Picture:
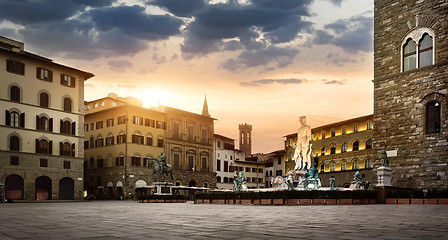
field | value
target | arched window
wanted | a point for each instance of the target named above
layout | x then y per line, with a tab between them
322	167
433	117
425	51
369	144
343	165
418	49
15	119
368	163
43	146
14	94
344	148
355	146
42	123
322	151
65	149
14	143
323	135
332	166
332	149
43	100
67	104
355	128
355	165
409	55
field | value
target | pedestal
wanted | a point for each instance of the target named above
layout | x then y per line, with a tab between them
163	188
384	176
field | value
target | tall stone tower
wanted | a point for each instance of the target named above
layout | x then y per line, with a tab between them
245	138
411	90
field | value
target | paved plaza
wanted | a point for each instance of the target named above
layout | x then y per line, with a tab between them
132	220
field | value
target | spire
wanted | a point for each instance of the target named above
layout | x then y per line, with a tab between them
205	108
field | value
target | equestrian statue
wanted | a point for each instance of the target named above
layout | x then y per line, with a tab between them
160	166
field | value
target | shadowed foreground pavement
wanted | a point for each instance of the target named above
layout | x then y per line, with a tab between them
132	220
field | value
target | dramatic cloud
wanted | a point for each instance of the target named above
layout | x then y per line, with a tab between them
256	25
353	35
280	57
84	30
272	81
338	60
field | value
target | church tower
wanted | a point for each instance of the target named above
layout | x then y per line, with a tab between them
411	90
205	108
245	138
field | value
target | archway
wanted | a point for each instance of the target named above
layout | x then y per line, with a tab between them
120	190
43	188
14	187
66	189
140	188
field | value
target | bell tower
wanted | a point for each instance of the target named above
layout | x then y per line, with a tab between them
245	137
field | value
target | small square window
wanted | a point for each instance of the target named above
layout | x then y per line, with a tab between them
66	164
43	162
14	160
44	74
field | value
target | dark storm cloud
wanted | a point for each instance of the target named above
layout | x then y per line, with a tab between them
253	26
40	11
353	35
272	81
180	8
281	57
86	29
134	21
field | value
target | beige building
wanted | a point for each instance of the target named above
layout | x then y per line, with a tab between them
340	149
121	136
41	123
275	165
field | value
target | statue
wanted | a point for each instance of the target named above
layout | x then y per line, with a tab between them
302	153
239	182
384	158
357	177
312	177
290	183
332	180
366	185
160	166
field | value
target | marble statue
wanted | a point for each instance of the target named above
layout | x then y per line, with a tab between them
332	180
302	153
357	177
239	182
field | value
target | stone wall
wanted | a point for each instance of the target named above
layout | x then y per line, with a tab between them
400	97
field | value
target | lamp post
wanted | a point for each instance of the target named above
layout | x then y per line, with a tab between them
125	154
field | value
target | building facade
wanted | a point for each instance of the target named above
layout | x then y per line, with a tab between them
41	123
340	149
410	90
121	137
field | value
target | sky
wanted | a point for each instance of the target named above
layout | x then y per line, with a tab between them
261	62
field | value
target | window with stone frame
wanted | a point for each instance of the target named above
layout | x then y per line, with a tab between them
204	165
44	99
14	143
322	151
190	162
176	161
355	128
344	148
332	149
368	163
355	165
369	125
67	80
369	143
67	105
355	146
44	146
149	141
14	94
160	142
332	166
343	165
418	49
322	167
432	118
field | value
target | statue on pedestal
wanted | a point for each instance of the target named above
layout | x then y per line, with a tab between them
160	166
302	153
239	182
384	158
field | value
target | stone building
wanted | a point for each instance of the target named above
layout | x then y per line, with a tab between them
121	136
410	90
245	137
41	124
340	149
275	165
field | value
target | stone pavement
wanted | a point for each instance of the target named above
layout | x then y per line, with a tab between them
131	220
